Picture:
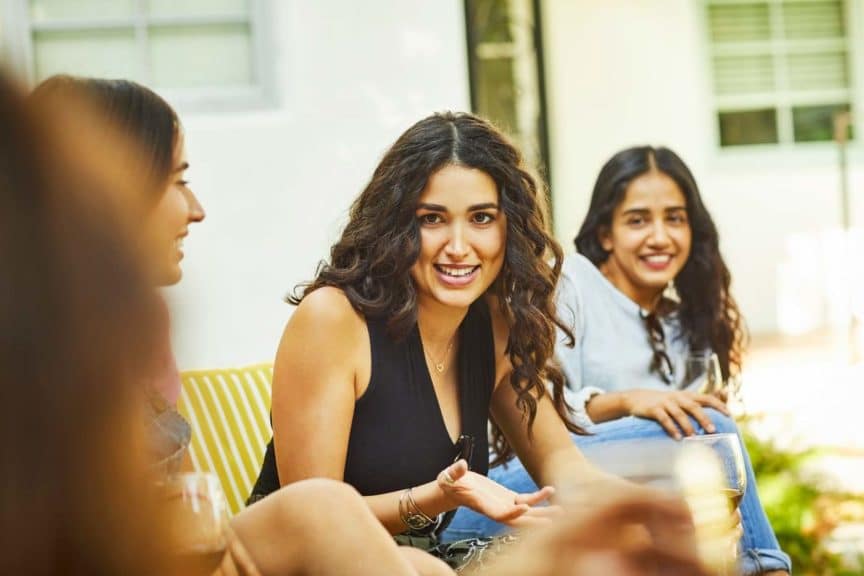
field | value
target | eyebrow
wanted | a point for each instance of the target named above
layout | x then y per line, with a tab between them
646	210
440	208
184	166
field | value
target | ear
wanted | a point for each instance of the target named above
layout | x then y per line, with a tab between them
604	236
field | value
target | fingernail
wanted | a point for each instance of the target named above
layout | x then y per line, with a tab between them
711	429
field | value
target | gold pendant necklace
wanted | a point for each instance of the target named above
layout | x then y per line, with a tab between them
439	366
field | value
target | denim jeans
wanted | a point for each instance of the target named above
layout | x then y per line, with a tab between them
759	549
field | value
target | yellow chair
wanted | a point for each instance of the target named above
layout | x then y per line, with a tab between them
229	411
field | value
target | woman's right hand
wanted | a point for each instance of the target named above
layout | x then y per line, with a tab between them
635	531
671	408
465	488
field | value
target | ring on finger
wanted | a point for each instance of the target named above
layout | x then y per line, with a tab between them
448	478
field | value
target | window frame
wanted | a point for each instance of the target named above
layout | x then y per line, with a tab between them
783	100
18	50
477	51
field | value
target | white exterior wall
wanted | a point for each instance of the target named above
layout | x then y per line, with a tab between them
628	72
277	184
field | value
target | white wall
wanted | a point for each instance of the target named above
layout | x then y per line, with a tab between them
277	184
628	72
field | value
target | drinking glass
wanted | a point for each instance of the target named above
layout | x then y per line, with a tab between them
727	448
704	367
198	514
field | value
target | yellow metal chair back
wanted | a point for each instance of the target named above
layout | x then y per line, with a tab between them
229	411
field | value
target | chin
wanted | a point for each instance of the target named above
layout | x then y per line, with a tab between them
656	283
171	278
463	300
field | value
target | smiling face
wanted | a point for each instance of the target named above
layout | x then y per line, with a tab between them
168	222
463	234
649	239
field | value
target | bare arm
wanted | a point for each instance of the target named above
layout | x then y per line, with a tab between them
314	387
547	452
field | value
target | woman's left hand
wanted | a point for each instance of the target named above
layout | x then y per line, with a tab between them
237	560
466	488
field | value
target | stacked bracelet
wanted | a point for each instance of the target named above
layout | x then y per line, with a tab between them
410	513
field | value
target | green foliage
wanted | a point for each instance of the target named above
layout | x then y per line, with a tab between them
801	510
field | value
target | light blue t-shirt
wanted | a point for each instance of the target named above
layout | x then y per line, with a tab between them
612	351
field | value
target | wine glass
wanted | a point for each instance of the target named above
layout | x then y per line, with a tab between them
704	367
198	514
727	448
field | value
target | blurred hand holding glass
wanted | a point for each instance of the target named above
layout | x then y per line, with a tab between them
694	471
198	516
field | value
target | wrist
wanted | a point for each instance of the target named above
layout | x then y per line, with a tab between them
444	497
413	517
624	403
433	499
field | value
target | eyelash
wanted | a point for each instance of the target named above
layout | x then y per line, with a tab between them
478	218
675	219
429	219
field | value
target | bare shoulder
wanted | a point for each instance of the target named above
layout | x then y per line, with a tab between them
324	325
327	308
501	335
324	343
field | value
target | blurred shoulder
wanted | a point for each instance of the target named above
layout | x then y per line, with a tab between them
577	267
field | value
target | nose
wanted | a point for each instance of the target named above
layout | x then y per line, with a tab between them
457	246
659	234
196	210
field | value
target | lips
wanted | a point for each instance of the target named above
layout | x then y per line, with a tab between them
456	274
656	261
178	245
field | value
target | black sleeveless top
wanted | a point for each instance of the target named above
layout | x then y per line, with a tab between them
398	436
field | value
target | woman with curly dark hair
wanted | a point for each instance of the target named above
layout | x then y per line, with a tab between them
647	288
435	313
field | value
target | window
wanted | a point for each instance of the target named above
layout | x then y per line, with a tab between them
780	68
203	52
506	72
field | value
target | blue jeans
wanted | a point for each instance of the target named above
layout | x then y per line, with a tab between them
760	551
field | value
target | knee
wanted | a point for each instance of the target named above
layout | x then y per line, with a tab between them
722	423
425	563
320	494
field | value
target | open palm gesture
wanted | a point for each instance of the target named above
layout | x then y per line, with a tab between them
491	499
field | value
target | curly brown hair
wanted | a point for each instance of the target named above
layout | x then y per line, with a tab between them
371	262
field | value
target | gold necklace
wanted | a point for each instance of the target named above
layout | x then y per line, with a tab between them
439	366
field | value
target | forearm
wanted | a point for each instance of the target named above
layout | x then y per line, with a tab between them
608	406
429	498
567	467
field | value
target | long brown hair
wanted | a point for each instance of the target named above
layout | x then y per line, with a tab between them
371	262
133	110
76	320
708	313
